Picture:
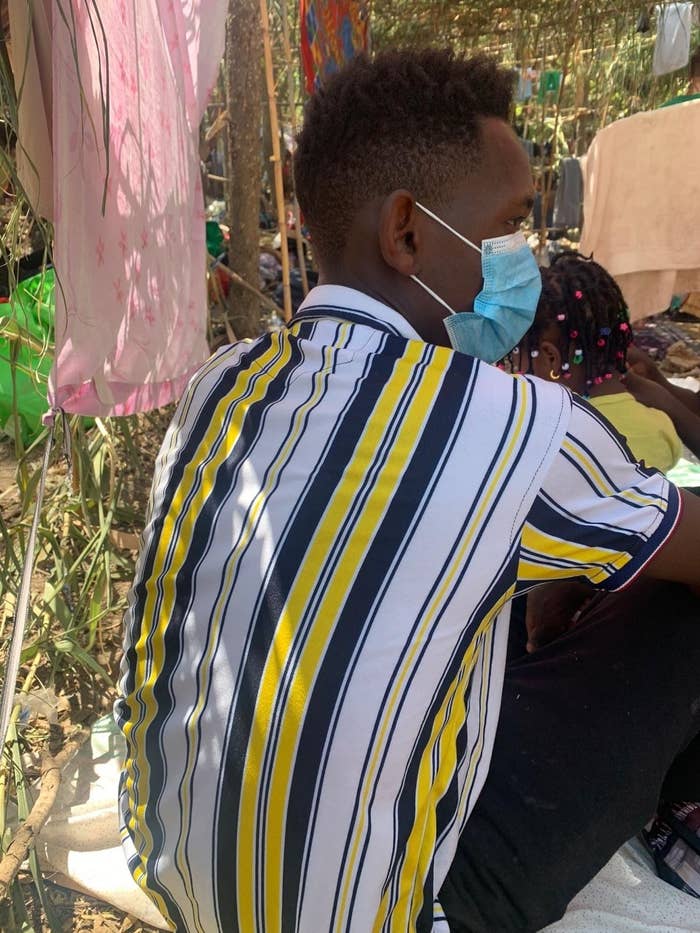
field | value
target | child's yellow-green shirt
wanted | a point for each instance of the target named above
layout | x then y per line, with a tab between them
650	433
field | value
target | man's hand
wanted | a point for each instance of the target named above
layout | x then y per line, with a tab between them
552	610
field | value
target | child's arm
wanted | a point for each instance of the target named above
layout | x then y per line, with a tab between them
654	395
641	364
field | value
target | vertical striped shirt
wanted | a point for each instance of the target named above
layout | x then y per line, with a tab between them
315	641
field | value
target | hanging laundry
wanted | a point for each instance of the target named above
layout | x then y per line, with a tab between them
332	33
672	47
130	294
529	148
523	89
569	197
549	83
641	191
30	57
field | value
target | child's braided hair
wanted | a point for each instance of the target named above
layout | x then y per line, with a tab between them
587	307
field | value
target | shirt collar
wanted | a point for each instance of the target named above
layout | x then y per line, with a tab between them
342	298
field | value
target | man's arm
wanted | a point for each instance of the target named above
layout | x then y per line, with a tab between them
679	557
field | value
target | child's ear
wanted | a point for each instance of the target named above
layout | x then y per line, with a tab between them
549	360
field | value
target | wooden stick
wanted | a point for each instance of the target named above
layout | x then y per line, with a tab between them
40	812
239	280
293	120
276	159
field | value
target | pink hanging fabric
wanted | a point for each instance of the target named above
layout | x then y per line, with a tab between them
130	294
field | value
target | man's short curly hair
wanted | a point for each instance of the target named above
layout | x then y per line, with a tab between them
405	119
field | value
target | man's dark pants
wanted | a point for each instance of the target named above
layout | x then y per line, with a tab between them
594	729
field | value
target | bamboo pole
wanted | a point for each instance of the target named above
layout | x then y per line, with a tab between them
293	120
276	158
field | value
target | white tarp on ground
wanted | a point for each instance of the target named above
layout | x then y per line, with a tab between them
628	897
79	847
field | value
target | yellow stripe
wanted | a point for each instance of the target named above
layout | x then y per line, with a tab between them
589	466
586	561
420	845
324	620
419	639
254	512
166	567
485	685
429	789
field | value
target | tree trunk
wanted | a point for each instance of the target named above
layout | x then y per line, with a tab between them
243	94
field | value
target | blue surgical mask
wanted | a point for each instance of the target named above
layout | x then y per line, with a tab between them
505	307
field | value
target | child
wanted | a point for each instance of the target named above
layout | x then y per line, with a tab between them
581	334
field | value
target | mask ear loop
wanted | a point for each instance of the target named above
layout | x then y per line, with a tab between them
447	226
432	294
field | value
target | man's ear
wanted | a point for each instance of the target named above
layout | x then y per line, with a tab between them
548	361
399	232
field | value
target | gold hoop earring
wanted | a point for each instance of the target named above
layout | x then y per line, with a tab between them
554	376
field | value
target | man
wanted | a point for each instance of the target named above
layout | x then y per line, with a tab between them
341	512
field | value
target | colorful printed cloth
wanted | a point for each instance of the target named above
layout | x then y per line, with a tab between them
332	33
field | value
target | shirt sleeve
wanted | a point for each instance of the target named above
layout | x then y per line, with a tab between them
599	515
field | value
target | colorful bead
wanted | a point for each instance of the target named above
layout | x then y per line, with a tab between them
573	334
578	356
624	326
534	353
561	317
516	350
567	375
578	294
620	355
601	341
565	366
608	375
605	331
598	380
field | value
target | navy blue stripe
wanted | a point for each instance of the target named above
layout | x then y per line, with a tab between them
334	556
604	527
372	580
202	527
453	668
559	525
319	312
281	576
223	387
623	576
220	390
577	568
404	808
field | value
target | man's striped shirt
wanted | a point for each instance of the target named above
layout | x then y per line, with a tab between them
315	643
